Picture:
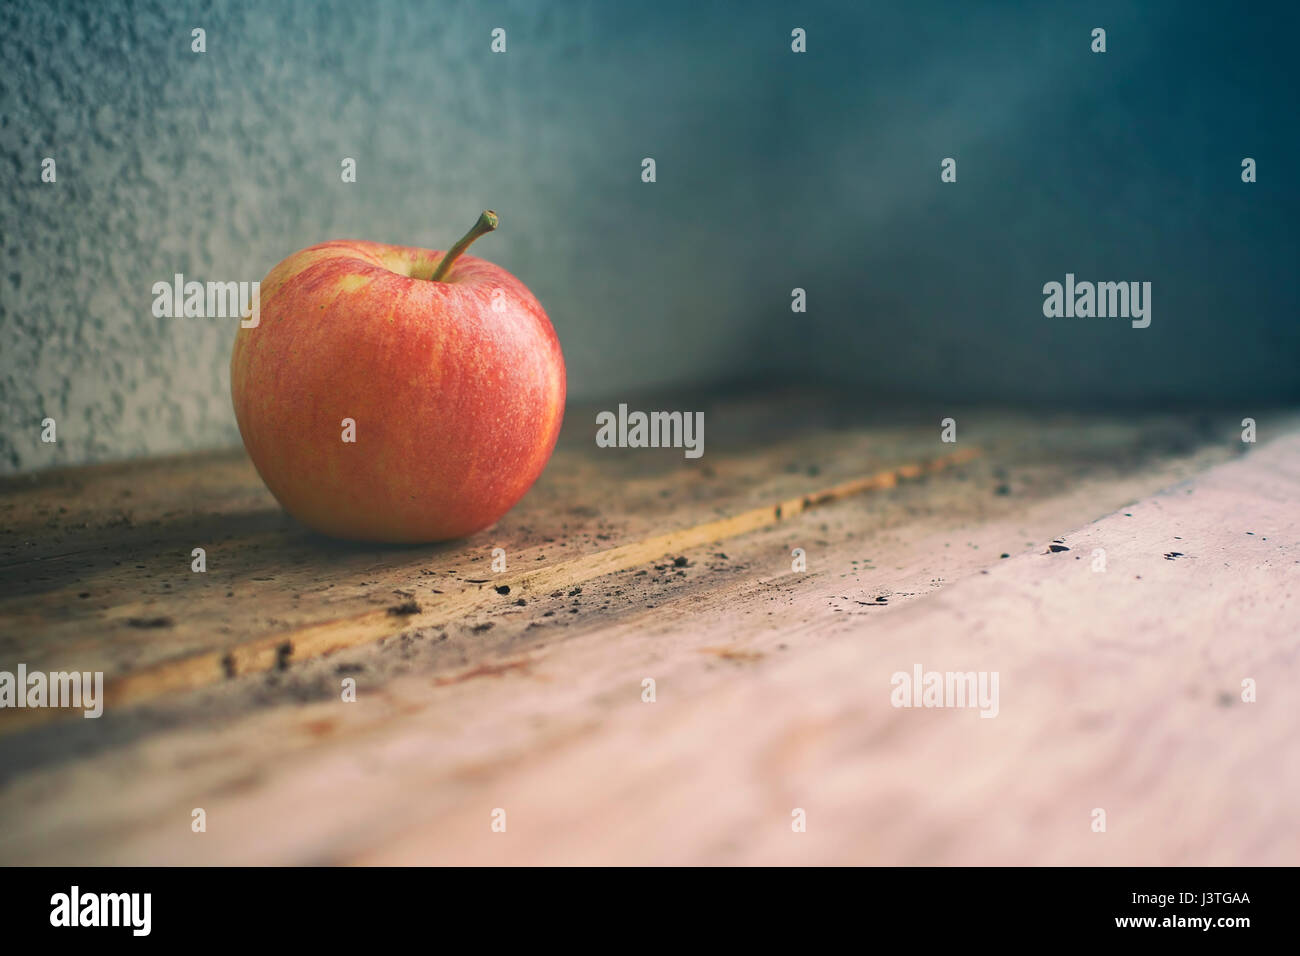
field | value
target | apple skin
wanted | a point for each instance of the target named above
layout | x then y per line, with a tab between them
457	389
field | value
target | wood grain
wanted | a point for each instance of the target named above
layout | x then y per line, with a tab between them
275	651
772	686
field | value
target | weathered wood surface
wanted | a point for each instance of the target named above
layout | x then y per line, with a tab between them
252	653
772	686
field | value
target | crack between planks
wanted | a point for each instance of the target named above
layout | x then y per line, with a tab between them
275	651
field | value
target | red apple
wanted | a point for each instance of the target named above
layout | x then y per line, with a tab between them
446	363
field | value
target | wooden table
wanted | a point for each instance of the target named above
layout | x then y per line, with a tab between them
524	691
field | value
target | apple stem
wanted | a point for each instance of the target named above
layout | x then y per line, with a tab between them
486	223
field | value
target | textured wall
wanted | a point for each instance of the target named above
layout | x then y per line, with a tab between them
1117	166
775	170
218	165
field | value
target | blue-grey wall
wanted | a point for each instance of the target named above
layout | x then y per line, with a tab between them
775	170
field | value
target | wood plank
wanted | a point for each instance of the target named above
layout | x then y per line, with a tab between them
77	566
277	650
450	720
